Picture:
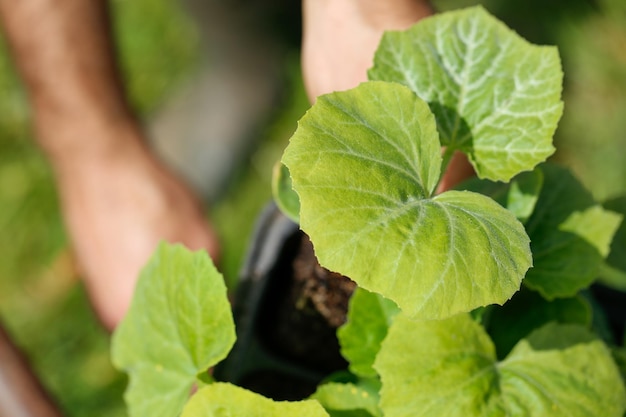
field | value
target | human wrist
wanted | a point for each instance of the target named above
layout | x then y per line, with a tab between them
88	140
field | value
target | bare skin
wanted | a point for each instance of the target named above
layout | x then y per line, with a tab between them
118	199
340	37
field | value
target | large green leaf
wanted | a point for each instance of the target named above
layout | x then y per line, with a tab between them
179	325
365	163
226	400
369	318
495	96
570	236
449	368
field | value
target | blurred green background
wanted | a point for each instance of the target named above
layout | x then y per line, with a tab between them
43	304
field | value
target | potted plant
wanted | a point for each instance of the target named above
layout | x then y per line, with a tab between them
471	302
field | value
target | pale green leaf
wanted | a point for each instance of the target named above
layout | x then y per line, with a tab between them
570	236
285	197
226	400
369	317
594	225
449	368
495	96
437	368
562	370
365	163
179	325
336	397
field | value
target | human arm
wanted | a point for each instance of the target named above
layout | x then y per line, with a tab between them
118	199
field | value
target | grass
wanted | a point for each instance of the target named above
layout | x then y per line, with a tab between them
42	302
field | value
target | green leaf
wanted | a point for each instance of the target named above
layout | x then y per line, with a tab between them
179	325
436	368
449	368
518	196
619	355
336	397
614	273
612	277
369	318
285	197
554	336
496	97
364	163
226	400
528	311
570	235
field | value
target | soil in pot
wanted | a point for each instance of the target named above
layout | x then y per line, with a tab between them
287	320
305	310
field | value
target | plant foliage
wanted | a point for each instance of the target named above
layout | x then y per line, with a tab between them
471	302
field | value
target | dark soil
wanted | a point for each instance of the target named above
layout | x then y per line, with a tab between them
306	317
289	343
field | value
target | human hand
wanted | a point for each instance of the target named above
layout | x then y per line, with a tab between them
339	41
117	209
341	36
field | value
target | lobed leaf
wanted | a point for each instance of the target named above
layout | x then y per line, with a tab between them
365	163
559	370
222	399
496	97
179	325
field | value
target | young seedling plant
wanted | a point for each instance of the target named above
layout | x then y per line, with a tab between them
471	302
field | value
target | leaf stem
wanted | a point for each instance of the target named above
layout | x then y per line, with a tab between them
447	157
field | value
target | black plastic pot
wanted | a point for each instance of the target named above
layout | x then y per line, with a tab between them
282	351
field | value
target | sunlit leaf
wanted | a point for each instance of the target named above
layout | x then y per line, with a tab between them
178	326
369	318
360	400
365	163
496	97
449	368
226	400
